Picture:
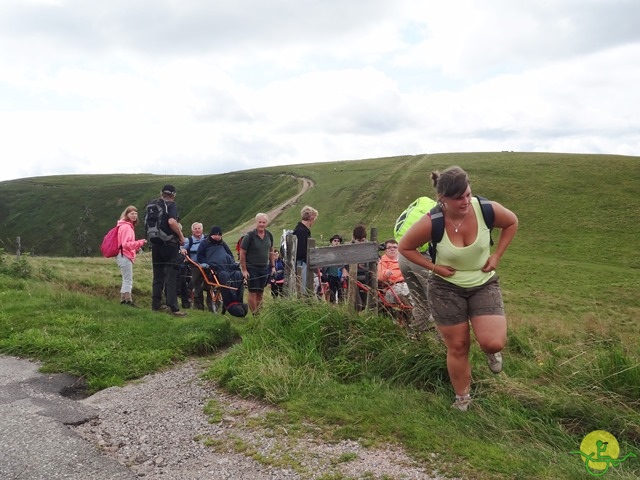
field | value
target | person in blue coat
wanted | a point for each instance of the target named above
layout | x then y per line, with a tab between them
277	278
215	253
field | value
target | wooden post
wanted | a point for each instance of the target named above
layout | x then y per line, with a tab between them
372	298
352	288
308	288
18	247
290	272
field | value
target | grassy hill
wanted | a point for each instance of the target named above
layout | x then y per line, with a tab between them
69	215
578	214
570	205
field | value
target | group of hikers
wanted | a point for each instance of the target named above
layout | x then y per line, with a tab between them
440	260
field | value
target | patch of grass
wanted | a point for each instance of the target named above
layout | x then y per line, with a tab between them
340	375
102	341
346	457
214	411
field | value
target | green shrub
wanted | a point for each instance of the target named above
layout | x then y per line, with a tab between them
20	267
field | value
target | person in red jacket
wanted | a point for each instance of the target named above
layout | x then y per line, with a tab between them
389	273
127	254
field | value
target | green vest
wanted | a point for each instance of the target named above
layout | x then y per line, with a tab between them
411	215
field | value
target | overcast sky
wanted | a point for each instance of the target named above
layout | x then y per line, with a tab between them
212	86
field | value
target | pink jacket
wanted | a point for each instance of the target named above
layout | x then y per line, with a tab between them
127	239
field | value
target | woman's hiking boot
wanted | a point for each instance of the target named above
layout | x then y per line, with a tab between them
462	403
127	300
494	360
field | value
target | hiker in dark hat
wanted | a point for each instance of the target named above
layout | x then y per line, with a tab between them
207	246
166	238
214	253
335	274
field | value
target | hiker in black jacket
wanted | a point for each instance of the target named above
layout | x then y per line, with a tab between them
165	254
303	232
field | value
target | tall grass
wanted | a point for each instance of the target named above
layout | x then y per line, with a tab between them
363	378
315	344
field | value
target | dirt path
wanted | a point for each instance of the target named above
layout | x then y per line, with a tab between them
307	184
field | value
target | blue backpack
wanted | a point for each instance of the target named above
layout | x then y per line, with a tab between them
437	223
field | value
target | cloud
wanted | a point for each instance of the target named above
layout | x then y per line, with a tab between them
208	87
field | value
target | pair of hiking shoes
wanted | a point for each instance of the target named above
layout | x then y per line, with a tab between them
166	309
494	360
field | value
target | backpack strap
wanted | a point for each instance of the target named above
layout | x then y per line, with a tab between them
488	215
437	224
120	246
118	237
252	234
437	230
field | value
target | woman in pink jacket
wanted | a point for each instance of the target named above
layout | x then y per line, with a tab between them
127	255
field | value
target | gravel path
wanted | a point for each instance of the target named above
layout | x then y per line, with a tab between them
159	429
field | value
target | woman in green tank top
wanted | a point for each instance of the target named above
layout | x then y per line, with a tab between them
463	290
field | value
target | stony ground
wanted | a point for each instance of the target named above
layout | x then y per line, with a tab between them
159	429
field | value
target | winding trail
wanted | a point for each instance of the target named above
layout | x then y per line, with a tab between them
307	184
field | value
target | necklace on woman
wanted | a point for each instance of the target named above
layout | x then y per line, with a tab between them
456	227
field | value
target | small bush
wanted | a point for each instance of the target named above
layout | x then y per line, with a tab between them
21	268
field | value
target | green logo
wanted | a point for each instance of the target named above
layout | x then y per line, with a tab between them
600	450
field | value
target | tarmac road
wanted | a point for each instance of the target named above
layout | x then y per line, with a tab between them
35	442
